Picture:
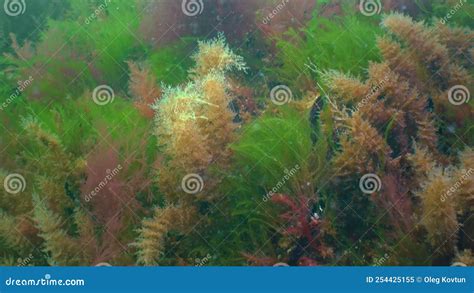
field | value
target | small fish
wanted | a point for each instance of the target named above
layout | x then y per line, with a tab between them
314	116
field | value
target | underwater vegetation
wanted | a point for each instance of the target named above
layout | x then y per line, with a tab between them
225	132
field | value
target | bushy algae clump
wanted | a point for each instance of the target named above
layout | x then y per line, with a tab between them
393	130
194	126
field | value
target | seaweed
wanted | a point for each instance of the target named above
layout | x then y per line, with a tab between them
133	133
323	44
